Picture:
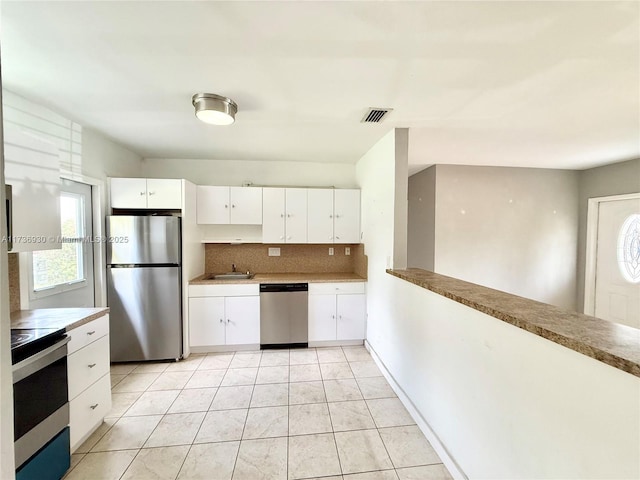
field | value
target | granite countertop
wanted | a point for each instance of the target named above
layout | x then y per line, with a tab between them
612	343
285	278
67	318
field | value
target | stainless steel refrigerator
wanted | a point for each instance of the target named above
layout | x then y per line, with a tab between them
144	287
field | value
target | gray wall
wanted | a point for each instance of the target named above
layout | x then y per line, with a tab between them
422	219
614	179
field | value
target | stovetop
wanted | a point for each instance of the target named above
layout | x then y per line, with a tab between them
26	342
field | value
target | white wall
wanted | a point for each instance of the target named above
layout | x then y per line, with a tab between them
506	403
422	219
237	172
513	229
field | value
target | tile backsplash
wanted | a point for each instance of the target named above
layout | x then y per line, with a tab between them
14	282
293	258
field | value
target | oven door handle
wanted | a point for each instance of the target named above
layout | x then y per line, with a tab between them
40	360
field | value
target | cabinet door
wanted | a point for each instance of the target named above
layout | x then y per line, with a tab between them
296	224
128	193
273	215
346	224
246	205
212	205
164	193
243	320
351	317
319	215
322	317
206	321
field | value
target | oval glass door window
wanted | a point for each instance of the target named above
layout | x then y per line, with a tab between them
629	249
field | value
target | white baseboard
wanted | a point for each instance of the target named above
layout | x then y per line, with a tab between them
423	425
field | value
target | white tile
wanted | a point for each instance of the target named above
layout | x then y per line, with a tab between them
266	422
222	426
313	456
304	373
90	442
342	390
75	459
408	447
302	356
362	451
216	361
389	412
123	368
356	354
352	415
271	395
102	465
176	429
121	402
375	387
205	379
430	472
186	364
228	398
128	433
335	371
379	475
330	355
274	358
309	418
136	382
153	403
116	379
151	367
277	374
239	376
157	463
193	400
306	392
365	369
264	459
244	360
210	461
171	381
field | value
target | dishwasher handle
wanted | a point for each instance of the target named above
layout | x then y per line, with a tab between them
283	287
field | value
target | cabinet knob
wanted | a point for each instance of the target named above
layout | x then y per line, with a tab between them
289	237
281	237
143	193
91	365
337	238
226	206
91	332
330	216
288	215
337	216
282	215
333	316
233	206
93	407
330	237
228	321
221	321
152	193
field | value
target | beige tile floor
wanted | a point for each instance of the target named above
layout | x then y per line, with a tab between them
301	414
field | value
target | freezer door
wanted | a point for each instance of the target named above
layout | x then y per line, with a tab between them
143	240
146	313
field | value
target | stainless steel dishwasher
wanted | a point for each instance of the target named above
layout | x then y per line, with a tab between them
283	315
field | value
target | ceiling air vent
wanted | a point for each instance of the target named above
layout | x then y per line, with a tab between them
375	115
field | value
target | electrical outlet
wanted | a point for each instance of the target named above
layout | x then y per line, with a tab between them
347	250
274	252
330	250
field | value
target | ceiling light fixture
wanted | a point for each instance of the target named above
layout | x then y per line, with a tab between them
214	109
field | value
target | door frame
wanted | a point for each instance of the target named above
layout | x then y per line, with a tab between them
593	207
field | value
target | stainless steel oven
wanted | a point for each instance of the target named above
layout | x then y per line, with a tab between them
40	404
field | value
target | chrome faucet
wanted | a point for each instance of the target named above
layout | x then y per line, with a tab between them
233	267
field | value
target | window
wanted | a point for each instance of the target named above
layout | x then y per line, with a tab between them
629	249
61	269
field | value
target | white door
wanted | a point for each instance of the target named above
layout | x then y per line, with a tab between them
320	215
243	320
296	206
617	263
128	193
164	193
346	226
246	205
273	215
206	321
351	317
212	205
322	318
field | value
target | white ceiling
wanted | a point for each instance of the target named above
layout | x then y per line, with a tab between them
535	84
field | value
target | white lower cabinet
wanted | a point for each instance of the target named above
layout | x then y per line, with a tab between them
337	311
89	380
224	315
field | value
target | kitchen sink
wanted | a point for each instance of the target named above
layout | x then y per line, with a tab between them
230	276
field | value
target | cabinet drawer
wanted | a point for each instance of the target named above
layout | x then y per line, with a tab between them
87	365
232	290
88	409
88	333
336	288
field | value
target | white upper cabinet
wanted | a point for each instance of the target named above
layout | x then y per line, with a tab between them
229	205
141	193
284	215
334	216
